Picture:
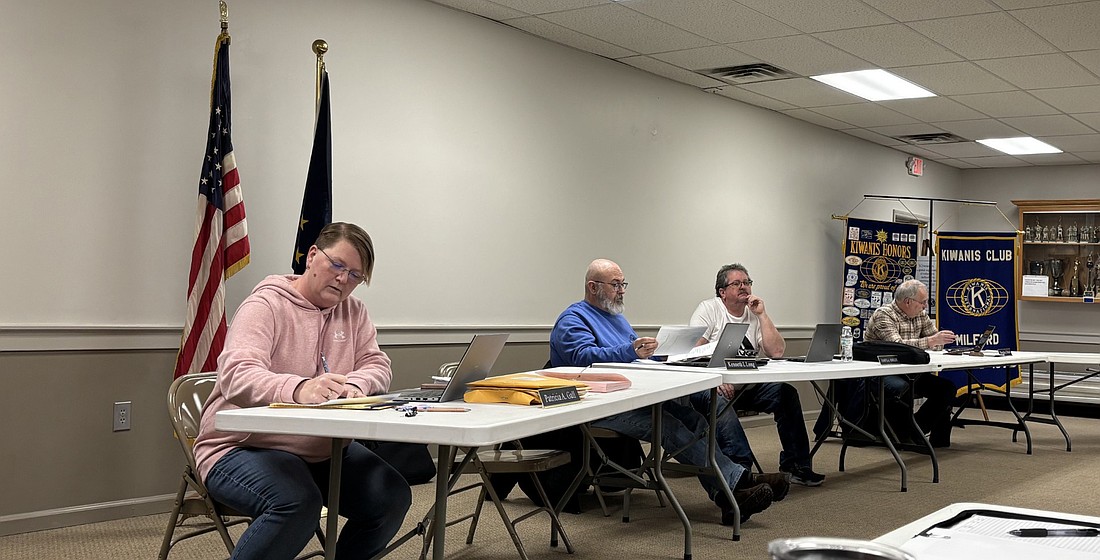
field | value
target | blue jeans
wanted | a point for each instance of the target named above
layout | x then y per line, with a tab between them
283	495
779	399
679	424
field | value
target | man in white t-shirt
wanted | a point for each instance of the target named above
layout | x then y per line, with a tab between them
735	303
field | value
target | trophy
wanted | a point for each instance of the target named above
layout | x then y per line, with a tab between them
1035	268
1095	235
1061	233
1046	233
1057	269
1072	236
1075	280
1090	279
1027	234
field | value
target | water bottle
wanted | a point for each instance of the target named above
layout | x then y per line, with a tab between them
846	341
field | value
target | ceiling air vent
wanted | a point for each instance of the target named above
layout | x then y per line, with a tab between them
749	73
932	138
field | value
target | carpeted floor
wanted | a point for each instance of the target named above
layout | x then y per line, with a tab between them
982	465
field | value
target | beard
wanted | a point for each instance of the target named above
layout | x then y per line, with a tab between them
613	305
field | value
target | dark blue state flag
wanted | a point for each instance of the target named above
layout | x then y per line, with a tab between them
317	201
977	289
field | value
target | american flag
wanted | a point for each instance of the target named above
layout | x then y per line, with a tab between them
221	233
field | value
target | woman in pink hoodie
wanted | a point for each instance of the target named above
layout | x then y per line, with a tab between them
302	339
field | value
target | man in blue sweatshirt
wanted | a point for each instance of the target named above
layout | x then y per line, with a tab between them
594	330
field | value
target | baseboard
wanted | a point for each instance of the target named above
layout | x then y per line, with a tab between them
80	515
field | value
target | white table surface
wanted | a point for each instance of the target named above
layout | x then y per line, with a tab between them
901	535
1074	358
783	371
485	424
943	361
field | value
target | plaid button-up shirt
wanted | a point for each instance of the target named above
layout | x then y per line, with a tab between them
889	323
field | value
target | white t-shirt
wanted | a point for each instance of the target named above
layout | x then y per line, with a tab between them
712	313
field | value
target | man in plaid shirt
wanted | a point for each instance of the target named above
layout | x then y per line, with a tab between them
905	321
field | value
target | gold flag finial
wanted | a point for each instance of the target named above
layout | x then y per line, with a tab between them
224	9
320	47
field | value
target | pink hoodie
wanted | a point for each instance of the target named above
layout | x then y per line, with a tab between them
274	344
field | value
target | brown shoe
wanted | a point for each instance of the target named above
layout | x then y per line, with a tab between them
749	501
779	482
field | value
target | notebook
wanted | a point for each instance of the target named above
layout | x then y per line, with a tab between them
823	346
673	340
479	358
979	344
728	344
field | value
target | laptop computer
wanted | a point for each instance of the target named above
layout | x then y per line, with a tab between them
729	342
679	339
479	358
823	346
979	344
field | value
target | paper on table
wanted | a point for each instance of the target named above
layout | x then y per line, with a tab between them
357	403
980	536
677	339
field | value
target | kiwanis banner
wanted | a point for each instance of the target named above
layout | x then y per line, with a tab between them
976	289
877	257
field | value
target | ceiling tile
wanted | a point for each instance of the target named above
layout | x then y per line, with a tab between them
802	54
706	58
1053	159
1078	142
1048	125
1088	59
491	10
907	47
933	108
953	78
547	6
995	161
1084	99
1040	71
671	72
980	129
1093	157
964	150
565	36
984	36
734	92
1091	119
802	92
921	152
627	28
721	21
1006	104
817	118
825	15
1071	27
865	115
931	9
957	163
874	137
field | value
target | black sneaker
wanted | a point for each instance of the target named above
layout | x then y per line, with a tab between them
780	483
749	501
806	477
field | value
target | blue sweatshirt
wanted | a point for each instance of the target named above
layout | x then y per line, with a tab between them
585	334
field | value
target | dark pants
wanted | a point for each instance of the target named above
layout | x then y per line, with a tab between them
283	495
779	399
934	416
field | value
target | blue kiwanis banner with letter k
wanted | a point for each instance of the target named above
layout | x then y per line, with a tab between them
976	289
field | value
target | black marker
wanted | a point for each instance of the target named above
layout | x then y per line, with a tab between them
1055	532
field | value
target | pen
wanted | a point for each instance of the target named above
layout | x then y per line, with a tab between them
324	362
1055	532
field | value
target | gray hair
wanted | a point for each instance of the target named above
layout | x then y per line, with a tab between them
908	290
720	281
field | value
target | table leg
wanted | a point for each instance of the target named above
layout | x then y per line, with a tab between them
886	439
658	454
442	488
335	470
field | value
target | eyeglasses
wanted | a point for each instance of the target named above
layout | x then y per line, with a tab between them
354	277
617	286
739	283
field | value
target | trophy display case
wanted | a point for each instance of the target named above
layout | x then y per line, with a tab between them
1060	258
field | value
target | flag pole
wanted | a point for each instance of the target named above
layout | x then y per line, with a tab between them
320	47
224	9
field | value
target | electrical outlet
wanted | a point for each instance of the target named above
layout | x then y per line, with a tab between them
122	416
